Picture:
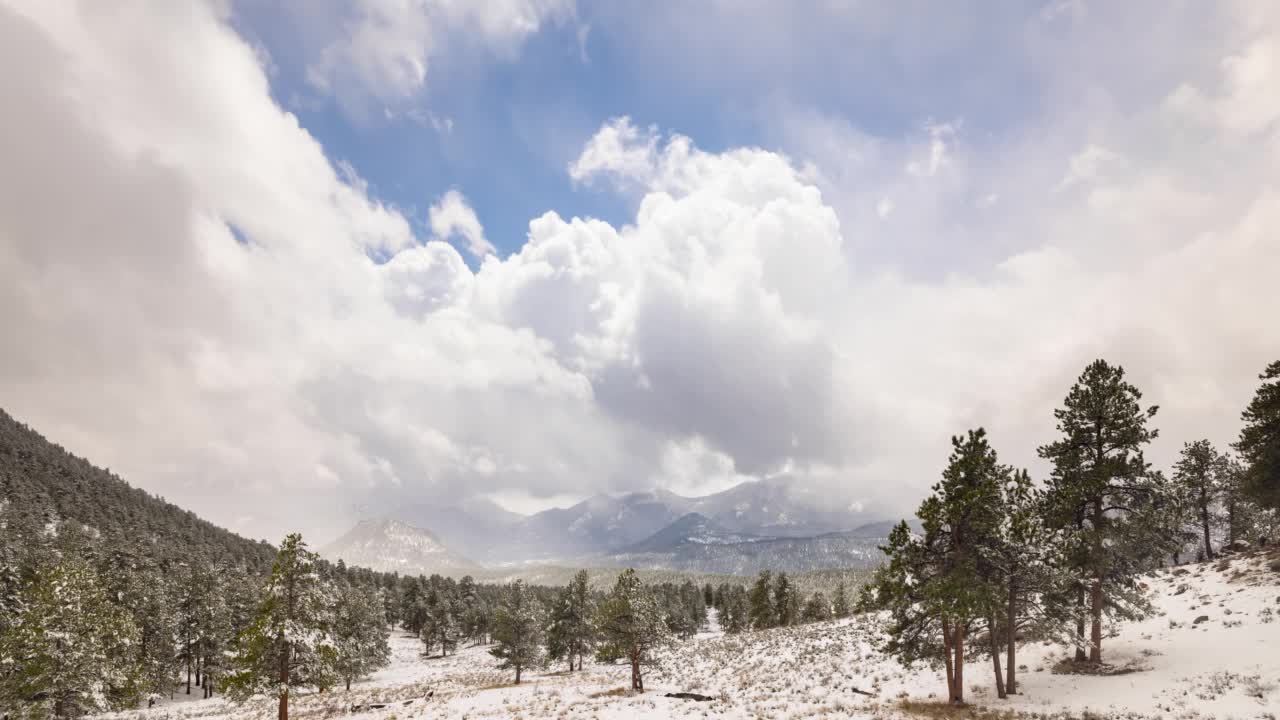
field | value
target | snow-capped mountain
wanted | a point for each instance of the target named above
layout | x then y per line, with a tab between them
394	546
697	543
689	529
659	528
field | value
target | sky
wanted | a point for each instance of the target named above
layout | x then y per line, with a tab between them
291	264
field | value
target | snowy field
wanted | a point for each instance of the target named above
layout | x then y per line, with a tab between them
1225	666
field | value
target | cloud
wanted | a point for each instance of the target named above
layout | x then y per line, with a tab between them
378	54
192	287
453	216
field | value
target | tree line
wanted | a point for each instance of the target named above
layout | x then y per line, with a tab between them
1002	559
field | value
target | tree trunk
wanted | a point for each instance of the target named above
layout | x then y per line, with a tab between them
995	658
1011	635
517	674
947	657
958	697
188	668
637	682
283	712
1204	522
348	683
1095	633
198	668
1080	653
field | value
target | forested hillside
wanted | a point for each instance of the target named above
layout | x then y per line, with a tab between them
50	484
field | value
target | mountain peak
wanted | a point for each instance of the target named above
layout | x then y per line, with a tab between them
392	545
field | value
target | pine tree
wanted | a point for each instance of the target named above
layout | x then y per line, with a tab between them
1103	491
840	607
938	588
1239	514
1259	443
290	642
570	635
760	602
517	630
783	601
1199	476
631	625
359	633
816	609
72	650
734	617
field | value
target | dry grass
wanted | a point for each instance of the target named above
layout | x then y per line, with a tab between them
616	692
1070	666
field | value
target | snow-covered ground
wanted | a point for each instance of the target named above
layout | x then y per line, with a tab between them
1227	666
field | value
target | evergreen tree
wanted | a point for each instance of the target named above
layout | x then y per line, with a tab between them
840	607
69	651
783	601
816	609
570	635
1199	477
938	588
734	617
359	633
631	625
1259	443
1240	516
290	642
517	630
760	602
1104	493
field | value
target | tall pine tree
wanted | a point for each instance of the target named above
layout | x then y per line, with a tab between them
1259	443
290	643
1103	492
517	630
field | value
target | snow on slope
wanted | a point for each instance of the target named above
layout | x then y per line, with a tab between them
1227	666
393	546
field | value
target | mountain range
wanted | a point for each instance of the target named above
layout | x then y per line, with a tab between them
764	524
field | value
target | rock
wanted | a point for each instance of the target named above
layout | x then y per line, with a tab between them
1274	565
1181	571
1202	618
1227	611
1238	546
1181	589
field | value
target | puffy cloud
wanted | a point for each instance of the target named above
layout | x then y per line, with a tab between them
196	303
452	215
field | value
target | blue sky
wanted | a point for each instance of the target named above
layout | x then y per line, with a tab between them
516	120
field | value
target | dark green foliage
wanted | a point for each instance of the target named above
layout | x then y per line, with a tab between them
1198	481
1115	511
631	625
290	642
784	602
517	630
570	635
760	602
50	483
1259	443
816	609
359	633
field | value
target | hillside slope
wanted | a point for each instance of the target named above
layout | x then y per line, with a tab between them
44	482
1225	666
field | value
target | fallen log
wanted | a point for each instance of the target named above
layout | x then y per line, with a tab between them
863	692
690	696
